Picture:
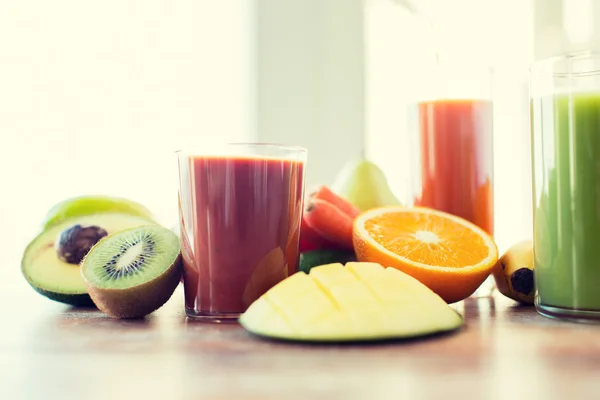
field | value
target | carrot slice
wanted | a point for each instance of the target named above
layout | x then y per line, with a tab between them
324	193
330	222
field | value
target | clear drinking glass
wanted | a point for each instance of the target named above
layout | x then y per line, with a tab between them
451	139
240	209
565	128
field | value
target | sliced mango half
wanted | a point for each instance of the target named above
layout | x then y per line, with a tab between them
357	302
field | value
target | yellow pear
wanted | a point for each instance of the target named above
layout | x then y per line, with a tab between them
364	184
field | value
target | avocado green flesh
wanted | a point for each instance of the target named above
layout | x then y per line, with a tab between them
165	249
56	279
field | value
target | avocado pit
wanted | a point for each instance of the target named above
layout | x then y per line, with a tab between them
75	242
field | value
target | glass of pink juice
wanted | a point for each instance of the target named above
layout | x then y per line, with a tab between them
240	208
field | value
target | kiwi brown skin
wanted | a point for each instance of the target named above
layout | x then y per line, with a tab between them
138	301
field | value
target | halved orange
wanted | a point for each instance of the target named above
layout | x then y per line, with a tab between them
448	254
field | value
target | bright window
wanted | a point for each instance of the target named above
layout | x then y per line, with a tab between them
396	41
96	96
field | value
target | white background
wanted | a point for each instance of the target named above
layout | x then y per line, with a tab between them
475	33
95	96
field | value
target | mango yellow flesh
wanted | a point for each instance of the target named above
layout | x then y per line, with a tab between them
359	301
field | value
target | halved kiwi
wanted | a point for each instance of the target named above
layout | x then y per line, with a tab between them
132	273
45	268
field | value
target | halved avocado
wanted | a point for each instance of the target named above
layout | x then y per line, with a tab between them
56	279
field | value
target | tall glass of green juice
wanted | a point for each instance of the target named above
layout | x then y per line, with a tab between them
565	127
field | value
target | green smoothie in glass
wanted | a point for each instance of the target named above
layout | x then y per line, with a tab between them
565	127
566	158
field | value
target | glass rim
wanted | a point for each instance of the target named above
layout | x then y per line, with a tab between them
545	66
263	145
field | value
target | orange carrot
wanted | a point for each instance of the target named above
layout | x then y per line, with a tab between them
311	240
307	233
324	193
330	222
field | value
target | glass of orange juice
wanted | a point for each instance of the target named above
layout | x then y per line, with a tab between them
451	139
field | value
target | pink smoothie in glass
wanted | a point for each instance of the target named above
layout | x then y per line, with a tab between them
240	222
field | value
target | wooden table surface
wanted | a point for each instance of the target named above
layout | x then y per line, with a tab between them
51	351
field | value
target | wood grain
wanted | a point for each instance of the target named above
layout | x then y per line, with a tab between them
51	351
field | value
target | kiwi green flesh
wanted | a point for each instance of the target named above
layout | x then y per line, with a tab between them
141	300
131	257
56	279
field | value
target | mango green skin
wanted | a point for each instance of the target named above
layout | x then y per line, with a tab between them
88	205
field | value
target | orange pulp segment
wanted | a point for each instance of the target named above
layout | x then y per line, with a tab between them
446	253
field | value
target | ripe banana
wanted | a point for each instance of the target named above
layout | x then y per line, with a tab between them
514	273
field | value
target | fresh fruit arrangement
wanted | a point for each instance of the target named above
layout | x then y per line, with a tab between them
51	264
326	229
56	262
369	268
326	232
448	254
373	269
355	302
